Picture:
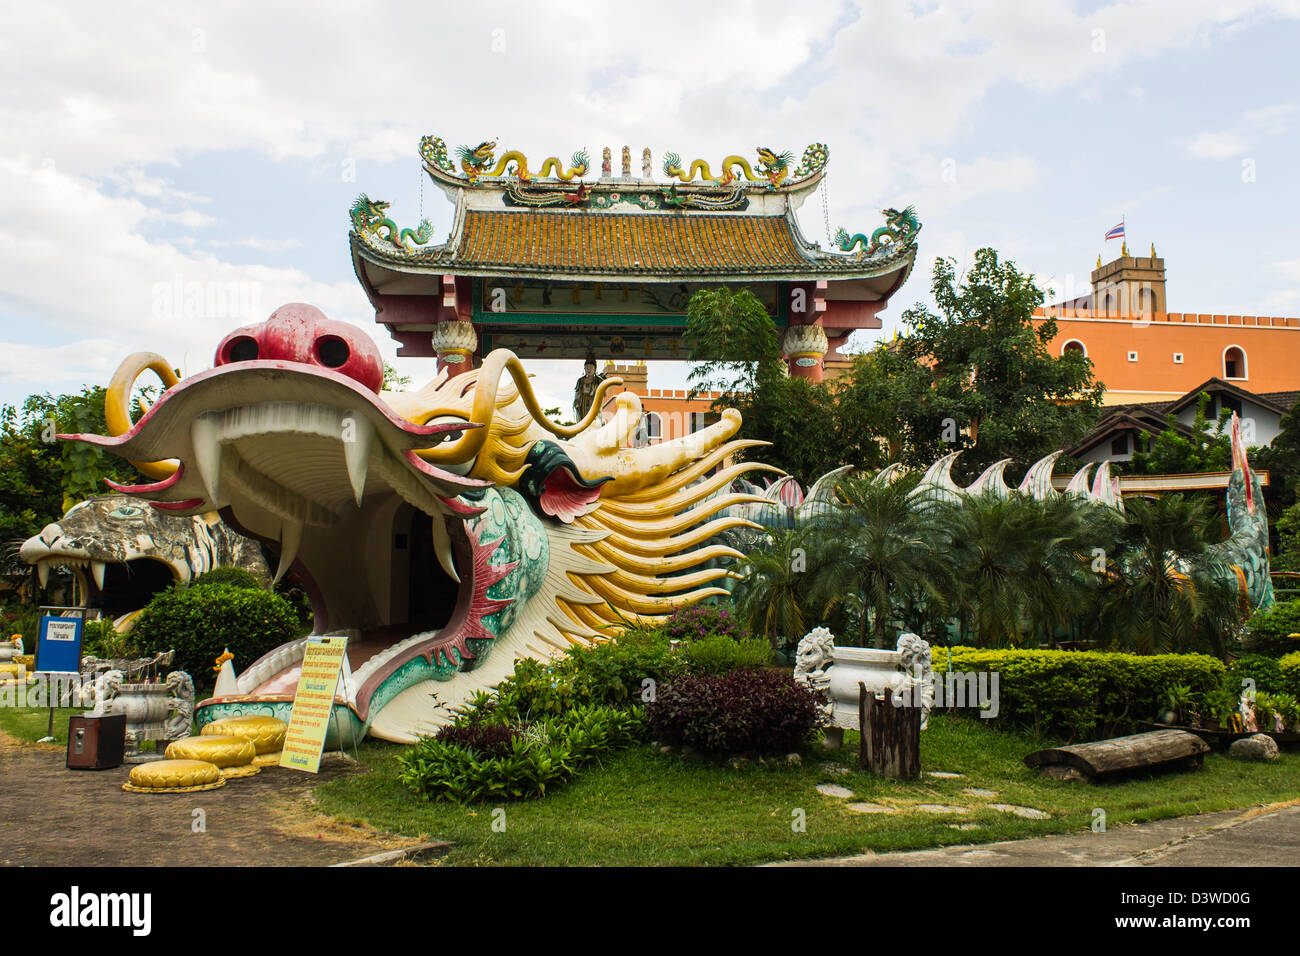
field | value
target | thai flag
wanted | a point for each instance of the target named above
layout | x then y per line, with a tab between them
1117	232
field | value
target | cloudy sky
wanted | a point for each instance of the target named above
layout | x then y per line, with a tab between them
146	147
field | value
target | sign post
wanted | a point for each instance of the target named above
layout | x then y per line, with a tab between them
313	704
58	650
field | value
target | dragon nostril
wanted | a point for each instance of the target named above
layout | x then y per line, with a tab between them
242	350
332	351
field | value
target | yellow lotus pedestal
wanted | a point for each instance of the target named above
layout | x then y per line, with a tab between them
174	776
232	755
266	733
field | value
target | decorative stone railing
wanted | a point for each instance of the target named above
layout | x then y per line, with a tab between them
835	673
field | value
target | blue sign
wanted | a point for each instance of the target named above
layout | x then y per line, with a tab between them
58	645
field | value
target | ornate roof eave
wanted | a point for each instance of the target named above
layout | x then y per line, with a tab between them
819	266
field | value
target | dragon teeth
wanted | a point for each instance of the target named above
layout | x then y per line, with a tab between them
97	571
43	572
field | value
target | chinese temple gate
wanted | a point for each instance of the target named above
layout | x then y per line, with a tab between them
550	265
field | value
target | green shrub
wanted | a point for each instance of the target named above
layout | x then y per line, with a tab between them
100	639
1083	694
1264	671
1288	668
1269	632
237	577
740	712
617	673
720	654
519	763
201	622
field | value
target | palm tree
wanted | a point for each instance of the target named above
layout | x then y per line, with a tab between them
769	598
1166	592
881	549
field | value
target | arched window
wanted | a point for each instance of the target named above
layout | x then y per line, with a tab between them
1146	300
1234	362
1108	304
1074	345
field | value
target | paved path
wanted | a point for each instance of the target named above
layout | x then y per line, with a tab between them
51	816
1264	836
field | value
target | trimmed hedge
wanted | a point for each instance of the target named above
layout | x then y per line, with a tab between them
1289	668
237	577
1082	694
1269	632
201	622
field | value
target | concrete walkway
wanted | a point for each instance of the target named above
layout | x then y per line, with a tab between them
1263	836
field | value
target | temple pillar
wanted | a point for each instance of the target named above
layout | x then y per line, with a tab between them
455	341
805	349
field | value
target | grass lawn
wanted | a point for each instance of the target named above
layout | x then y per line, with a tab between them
641	807
30	723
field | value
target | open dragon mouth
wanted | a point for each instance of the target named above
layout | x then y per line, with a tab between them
399	554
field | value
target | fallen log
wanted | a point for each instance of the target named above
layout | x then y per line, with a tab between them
1100	759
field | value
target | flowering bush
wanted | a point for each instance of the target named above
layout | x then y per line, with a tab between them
747	711
701	621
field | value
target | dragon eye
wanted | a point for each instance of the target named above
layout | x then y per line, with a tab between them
125	511
332	351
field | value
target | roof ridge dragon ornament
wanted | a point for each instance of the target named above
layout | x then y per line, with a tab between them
899	230
480	160
773	167
369	219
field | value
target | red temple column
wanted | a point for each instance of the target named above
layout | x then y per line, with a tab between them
805	349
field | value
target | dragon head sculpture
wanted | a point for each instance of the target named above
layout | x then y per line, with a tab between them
447	531
121	552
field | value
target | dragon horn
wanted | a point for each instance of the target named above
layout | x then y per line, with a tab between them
484	409
117	403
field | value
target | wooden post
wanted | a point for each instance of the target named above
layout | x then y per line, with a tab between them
890	735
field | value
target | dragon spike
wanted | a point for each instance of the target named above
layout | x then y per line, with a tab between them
823	489
1078	486
889	475
1119	498
939	475
773	492
937	483
991	480
1103	492
1038	479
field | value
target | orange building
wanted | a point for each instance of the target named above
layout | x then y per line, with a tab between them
668	413
1143	353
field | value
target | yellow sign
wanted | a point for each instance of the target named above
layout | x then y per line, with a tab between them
313	703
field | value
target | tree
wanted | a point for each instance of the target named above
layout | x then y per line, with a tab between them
735	343
992	371
880	550
1173	452
41	476
772	592
1164	591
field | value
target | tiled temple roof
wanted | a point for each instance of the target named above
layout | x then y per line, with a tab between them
604	243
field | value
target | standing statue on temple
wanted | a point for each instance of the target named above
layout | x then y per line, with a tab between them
584	391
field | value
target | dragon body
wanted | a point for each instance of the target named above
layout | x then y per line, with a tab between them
1241	559
476	161
899	230
369	218
773	168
